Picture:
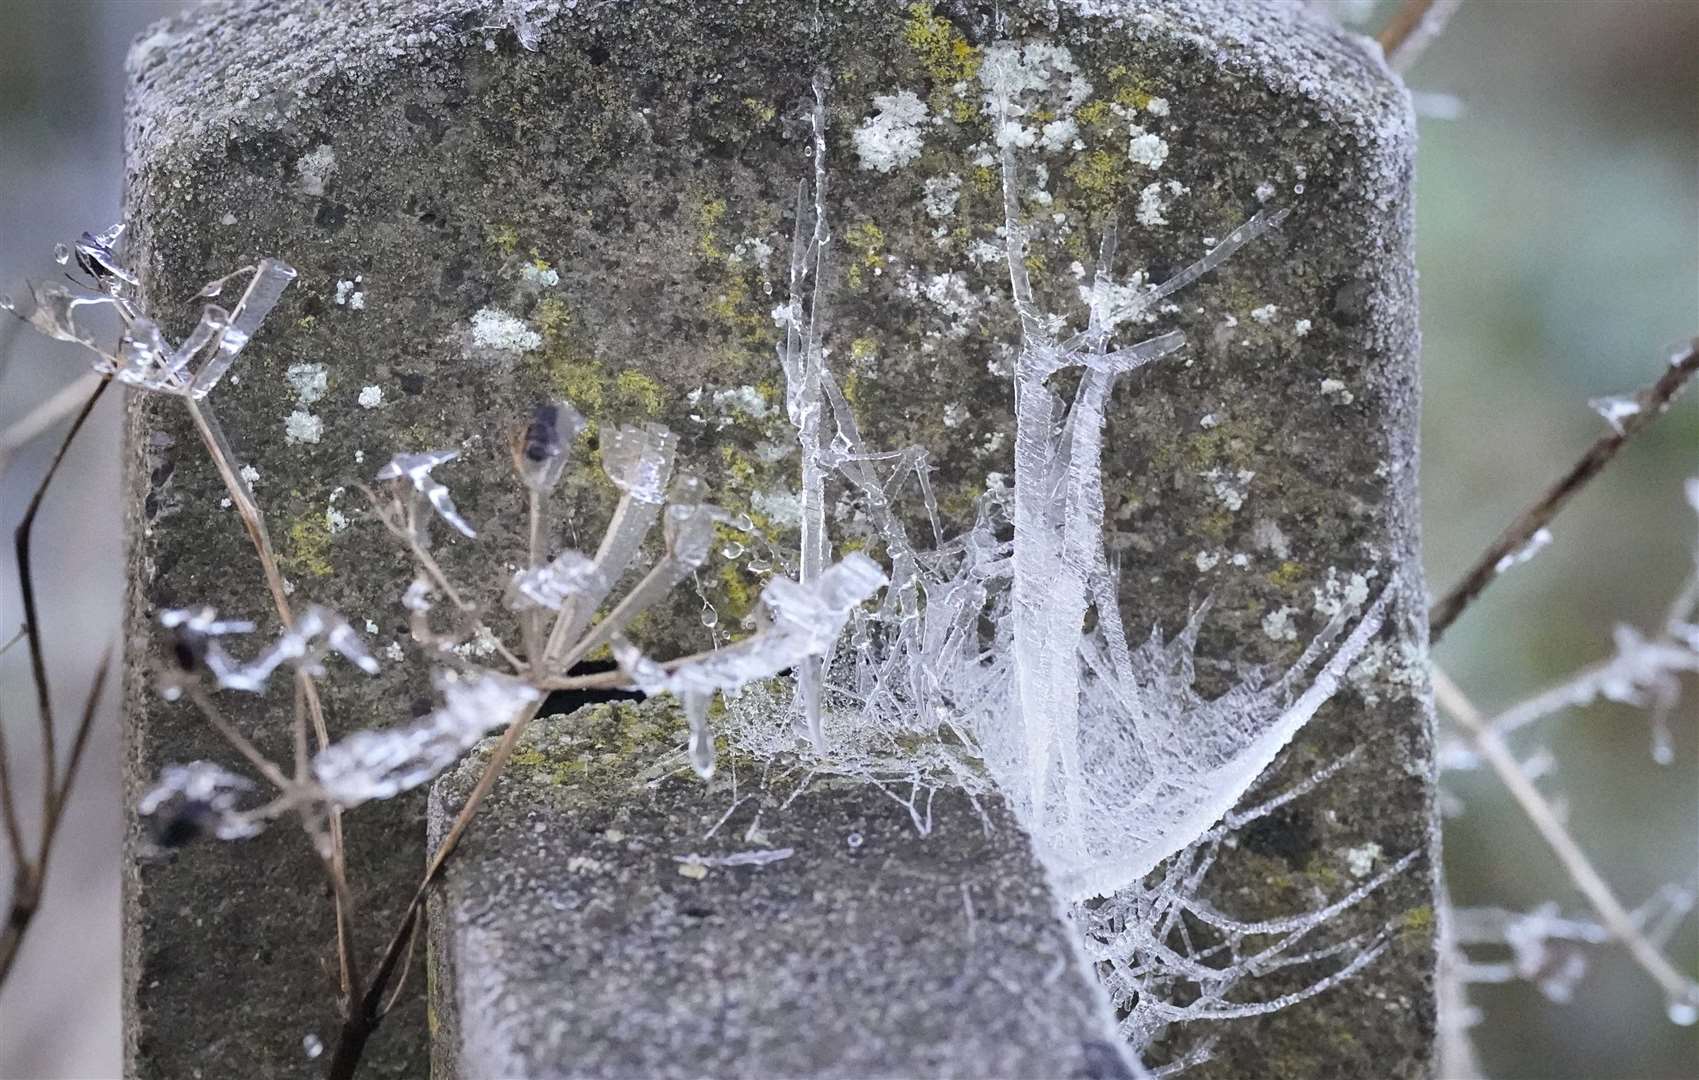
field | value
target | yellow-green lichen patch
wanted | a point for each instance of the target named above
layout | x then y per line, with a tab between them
944	54
866	242
638	393
709	215
1416	926
309	547
504	238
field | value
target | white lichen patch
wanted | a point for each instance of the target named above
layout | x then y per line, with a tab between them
371	397
892	137
1016	78
308	381
941	194
1063	134
952	296
314	168
334	519
350	294
1207	561
1264	191
1157	106
1267	536
1361	860
1397	667
1152	204
1301	327
743	399
1230	487
1278	625
541	275
1335	389
1146	148
1265	314
493	330
1338	594
249	474
394	653
482	644
302	426
751	250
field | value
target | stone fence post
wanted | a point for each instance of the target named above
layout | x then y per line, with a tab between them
491	205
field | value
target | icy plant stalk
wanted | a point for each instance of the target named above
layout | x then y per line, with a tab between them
802	362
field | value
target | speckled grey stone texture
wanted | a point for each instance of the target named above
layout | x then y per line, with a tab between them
624	194
569	941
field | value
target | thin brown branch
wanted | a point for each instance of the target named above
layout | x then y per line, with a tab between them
1653	401
79	743
29	877
1616	918
21	542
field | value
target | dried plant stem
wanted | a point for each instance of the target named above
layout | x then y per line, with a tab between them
240	741
1611	912
21	541
38	420
29	876
365	1015
253	519
1653	401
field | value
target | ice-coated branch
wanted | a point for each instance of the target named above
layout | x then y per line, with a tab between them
1681	992
379	764
1651	402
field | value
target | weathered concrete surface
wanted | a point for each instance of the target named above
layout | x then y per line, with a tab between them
569	941
625	192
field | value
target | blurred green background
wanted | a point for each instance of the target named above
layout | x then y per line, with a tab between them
1558	236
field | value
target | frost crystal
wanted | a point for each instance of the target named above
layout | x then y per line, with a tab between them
1615	410
195	800
380	764
1537	543
416	470
144	358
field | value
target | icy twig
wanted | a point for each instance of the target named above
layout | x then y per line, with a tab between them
1412	28
1653	400
1681	992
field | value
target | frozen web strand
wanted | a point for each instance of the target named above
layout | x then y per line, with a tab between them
805	621
765	857
381	764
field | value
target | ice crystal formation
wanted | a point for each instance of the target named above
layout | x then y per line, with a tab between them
997	659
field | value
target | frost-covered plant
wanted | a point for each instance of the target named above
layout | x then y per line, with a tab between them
568	605
1543	946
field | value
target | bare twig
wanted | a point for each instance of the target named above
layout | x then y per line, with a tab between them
29	876
1612	914
1652	401
64	402
21	540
